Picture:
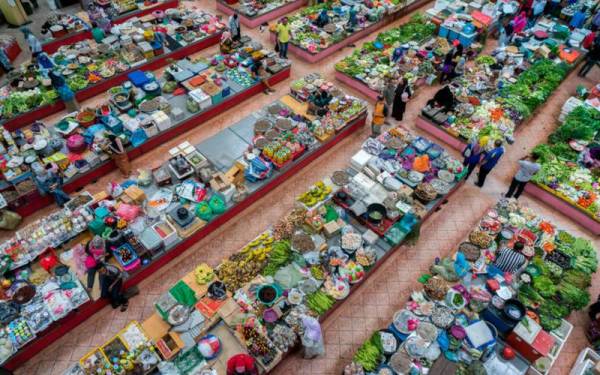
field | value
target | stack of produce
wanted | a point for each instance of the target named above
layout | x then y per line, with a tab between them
374	63
312	256
86	62
501	91
307	35
570	160
135	111
178	199
444	320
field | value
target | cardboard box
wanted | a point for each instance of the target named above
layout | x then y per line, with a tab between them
219	182
136	194
235	175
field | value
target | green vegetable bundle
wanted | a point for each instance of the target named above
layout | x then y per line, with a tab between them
370	354
572	296
319	302
279	256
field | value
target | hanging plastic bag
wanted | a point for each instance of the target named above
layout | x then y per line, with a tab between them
258	169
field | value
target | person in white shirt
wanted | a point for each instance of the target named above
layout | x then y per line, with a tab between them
35	46
528	167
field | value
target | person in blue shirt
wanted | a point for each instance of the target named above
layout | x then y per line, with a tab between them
489	161
578	18
323	19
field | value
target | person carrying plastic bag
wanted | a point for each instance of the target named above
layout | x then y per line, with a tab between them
312	339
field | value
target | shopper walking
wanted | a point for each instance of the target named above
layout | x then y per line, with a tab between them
283	37
528	167
111	286
259	73
472	156
234	27
489	161
401	97
312	338
591	58
379	115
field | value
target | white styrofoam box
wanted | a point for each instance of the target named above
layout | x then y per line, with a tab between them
177	114
363	182
370	237
167	232
204	101
131	124
360	159
162	120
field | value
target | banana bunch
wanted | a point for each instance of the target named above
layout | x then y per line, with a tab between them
204	274
319	192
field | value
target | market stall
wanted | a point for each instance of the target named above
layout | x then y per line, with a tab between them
323	29
145	111
306	264
471	316
91	69
255	13
62	29
410	51
67	29
501	91
568	179
145	222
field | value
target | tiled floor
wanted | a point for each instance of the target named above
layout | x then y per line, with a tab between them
373	305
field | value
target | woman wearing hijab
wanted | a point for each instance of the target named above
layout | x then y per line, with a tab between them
401	97
447	67
472	156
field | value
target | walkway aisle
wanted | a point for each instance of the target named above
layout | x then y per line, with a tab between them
373	305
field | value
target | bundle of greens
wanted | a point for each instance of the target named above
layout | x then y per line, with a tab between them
370	353
280	255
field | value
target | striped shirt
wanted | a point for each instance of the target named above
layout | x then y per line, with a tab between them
509	260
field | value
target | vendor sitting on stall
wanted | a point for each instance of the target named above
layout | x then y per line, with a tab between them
318	102
322	19
259	73
443	98
510	260
352	17
241	364
50	182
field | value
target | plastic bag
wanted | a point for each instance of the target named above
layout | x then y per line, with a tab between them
312	339
216	204
258	169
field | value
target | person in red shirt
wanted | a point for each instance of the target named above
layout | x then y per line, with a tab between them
588	41
241	364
